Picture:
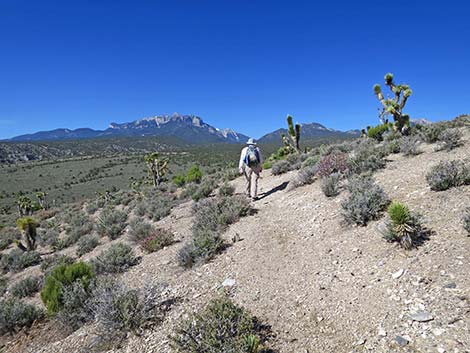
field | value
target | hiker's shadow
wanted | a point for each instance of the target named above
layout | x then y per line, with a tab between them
273	190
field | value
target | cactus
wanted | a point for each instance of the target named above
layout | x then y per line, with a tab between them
294	134
158	167
394	106
28	227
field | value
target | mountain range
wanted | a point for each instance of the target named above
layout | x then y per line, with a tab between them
188	128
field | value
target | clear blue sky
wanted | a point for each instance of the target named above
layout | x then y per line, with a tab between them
239	64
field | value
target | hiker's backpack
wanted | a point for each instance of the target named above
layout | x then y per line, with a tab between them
252	157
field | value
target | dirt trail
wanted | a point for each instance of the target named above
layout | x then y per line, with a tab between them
322	286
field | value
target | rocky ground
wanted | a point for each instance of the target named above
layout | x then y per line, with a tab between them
322	286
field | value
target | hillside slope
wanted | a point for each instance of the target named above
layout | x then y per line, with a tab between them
322	286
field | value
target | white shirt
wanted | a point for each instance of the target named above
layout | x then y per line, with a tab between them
241	163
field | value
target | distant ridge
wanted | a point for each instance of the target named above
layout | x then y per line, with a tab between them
309	131
189	128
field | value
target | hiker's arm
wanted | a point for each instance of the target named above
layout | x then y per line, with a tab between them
241	162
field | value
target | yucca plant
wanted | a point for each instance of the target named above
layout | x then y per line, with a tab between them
28	227
403	226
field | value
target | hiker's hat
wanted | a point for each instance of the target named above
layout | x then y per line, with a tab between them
251	141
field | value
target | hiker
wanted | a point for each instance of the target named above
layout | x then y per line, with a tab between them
249	165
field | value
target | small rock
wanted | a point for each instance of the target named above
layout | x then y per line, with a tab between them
401	341
229	282
421	316
451	285
382	332
360	342
398	274
441	350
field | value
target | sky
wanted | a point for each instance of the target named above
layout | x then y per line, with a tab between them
238	64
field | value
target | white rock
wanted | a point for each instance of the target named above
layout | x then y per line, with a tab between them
229	282
398	274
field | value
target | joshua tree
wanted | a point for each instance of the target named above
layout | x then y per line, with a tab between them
157	166
28	227
294	134
394	106
26	207
41	195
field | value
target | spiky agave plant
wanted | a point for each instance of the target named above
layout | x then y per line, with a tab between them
403	226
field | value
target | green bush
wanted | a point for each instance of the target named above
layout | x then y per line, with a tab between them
3	285
61	276
17	260
194	174
179	180
112	223
365	202
431	132
201	191
139	230
366	157
267	165
8	236
87	244
117	258
398	213
376	132
330	185
306	175
448	174
15	314
221	327
26	287
158	239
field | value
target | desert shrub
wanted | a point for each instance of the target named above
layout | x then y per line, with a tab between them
466	220
86	244
409	145
431	132
157	239
280	167
6	238
365	202
3	285
74	308
448	174
139	230
333	163
267	165
50	237
60	277
92	207
310	161
194	174
376	132
117	258
221	326
179	180
304	176
26	287
403	226
230	174
201	191
226	190
112	223
392	146
119	310
159	207
17	260
449	139
366	157
15	314
330	185
210	219
49	263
